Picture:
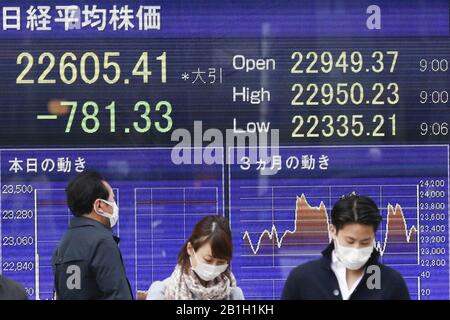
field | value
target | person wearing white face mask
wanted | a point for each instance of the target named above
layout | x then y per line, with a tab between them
349	268
203	268
87	264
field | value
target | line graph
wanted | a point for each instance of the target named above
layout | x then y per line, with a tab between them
304	213
282	247
281	221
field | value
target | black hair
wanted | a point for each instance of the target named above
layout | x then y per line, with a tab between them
83	190
353	208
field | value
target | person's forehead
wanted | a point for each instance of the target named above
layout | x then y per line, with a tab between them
205	248
205	251
357	230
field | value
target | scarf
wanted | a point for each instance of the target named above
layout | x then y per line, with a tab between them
187	286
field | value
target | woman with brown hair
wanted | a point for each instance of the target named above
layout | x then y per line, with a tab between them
203	268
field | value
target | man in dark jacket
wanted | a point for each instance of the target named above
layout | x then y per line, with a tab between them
349	268
11	290
87	263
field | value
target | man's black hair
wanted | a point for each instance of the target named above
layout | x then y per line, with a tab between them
83	190
353	208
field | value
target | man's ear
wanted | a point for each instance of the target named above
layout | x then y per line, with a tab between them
96	205
332	230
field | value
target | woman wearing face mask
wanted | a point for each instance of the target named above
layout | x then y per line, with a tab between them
203	268
349	268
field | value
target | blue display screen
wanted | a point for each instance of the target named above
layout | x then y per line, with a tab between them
264	113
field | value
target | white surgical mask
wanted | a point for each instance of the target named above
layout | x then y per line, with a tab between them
206	271
352	258
114	217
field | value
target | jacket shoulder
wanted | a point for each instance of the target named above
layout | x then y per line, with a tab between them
157	290
391	276
237	294
306	269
